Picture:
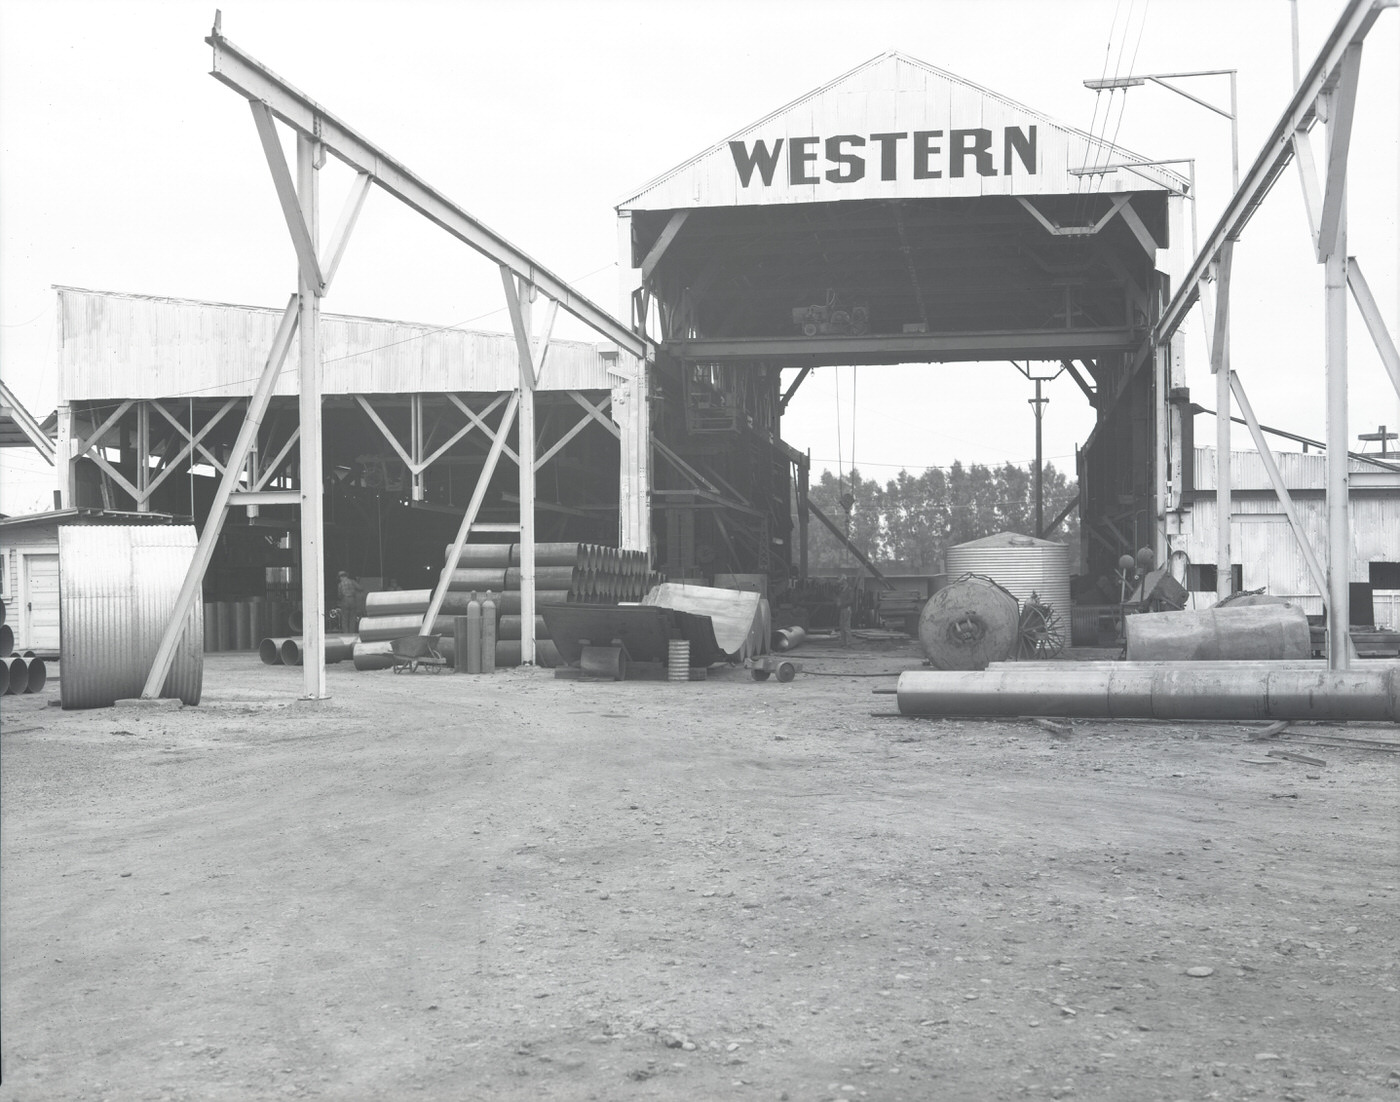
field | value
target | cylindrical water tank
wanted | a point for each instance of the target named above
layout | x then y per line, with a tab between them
1020	564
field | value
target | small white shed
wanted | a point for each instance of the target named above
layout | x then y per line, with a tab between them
29	569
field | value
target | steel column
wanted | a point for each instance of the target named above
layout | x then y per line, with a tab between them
1220	365
143	457
313	562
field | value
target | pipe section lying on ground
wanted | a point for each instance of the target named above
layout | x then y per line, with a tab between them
1177	691
36	674
338	648
18	675
789	638
1233	632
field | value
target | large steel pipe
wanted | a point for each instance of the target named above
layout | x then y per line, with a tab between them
789	638
509	627
1180	691
19	675
1239	632
479	578
292	651
36	674
7	639
374	629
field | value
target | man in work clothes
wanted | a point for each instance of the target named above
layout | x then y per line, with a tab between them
350	590
845	599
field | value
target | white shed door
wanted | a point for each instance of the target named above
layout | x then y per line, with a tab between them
40	613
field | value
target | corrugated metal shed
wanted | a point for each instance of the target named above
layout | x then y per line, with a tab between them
1300	470
138	346
117	586
1024	152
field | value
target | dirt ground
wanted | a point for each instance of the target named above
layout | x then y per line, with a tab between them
518	887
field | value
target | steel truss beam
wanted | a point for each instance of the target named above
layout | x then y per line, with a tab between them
27	424
1278	150
1018	344
249	78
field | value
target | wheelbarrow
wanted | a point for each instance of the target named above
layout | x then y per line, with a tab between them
415	652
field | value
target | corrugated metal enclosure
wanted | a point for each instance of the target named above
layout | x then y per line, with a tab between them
1262	540
117	586
1020	564
138	346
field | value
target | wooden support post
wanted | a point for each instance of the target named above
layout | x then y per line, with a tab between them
416	467
67	470
313	560
803	517
143	457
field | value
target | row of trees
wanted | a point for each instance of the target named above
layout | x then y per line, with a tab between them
913	519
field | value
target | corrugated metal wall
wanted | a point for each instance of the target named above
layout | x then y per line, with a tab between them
1300	470
901	95
117	587
133	346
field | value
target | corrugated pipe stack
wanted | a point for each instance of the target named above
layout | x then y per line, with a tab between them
241	625
564	573
19	673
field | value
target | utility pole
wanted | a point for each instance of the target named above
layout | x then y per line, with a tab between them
1038	402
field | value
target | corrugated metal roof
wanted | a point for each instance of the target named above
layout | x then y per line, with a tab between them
117	587
1300	470
896	93
116	345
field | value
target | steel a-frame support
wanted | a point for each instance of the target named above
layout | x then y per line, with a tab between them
302	312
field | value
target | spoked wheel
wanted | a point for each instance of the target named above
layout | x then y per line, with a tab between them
1039	633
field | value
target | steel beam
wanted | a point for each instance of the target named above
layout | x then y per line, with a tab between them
792	389
27	424
1020	344
1273	158
852	548
663	242
292	209
228	483
313	559
1341	109
1220	366
251	79
1375	324
454	553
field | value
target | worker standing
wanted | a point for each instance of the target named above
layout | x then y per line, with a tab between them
350	591
845	600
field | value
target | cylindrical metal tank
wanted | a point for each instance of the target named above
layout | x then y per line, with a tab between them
117	590
969	624
1019	564
7	639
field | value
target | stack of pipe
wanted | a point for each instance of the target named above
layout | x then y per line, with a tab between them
288	651
19	673
240	625
564	573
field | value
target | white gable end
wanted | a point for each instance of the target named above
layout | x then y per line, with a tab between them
895	128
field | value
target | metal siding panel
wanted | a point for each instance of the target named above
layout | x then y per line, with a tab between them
117	587
126	346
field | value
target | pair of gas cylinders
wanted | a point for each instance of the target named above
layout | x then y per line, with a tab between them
474	637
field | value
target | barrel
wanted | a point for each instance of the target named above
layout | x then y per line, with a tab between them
211	626
678	660
969	624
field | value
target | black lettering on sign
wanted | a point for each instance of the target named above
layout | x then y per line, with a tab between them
766	160
800	155
888	145
1024	144
924	152
853	163
976	142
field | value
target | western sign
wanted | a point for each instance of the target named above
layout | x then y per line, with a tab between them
896	155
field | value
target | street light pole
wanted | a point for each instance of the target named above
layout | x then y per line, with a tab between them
1220	346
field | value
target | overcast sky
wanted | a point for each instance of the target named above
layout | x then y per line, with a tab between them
124	166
